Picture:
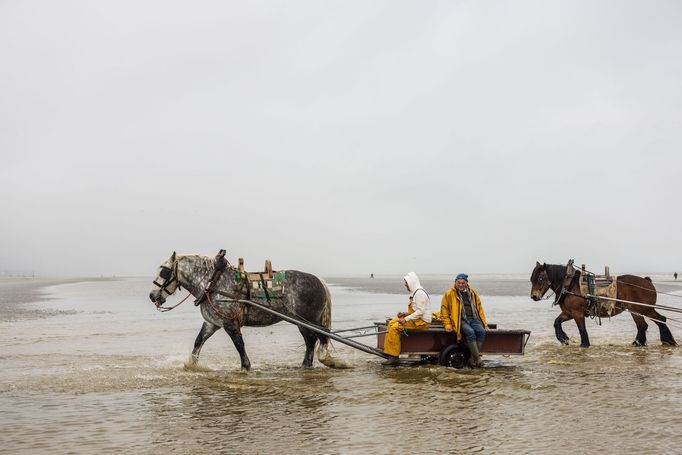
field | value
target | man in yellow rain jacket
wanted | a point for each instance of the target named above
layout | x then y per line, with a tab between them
462	313
418	317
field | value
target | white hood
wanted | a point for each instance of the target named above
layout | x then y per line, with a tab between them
412	281
421	304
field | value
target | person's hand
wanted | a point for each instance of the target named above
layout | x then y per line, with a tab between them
448	328
487	329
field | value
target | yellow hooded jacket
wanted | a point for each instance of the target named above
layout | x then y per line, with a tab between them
451	310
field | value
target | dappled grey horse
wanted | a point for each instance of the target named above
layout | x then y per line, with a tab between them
305	297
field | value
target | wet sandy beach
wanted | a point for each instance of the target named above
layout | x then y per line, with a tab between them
90	366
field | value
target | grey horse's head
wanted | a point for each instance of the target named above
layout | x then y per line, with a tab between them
166	282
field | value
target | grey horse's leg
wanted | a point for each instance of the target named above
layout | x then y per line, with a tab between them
560	334
236	336
205	333
640	339
310	338
584	339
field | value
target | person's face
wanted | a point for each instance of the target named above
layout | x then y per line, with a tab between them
406	286
461	284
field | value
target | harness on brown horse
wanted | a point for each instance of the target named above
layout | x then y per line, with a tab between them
591	287
568	278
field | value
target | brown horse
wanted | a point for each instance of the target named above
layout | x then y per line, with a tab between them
574	306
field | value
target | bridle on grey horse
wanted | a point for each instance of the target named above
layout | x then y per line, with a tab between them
170	276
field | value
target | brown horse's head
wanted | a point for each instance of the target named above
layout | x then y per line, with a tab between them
539	281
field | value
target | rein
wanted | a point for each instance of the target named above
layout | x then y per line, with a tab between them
215	308
164	309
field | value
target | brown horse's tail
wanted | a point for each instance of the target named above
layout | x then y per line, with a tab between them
323	355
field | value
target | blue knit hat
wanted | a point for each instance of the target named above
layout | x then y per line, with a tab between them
463	276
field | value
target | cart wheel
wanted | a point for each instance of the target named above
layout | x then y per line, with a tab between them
454	356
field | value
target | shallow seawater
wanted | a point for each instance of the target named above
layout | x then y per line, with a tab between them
97	369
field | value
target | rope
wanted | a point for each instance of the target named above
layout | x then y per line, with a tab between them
660	307
635	285
650	290
214	308
353	329
657	320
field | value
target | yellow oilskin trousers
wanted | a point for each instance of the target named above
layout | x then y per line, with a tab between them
392	340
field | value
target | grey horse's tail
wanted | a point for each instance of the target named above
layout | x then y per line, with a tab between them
326	319
323	354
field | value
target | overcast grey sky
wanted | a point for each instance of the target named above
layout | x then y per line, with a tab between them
340	137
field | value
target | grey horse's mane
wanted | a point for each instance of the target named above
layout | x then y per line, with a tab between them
207	262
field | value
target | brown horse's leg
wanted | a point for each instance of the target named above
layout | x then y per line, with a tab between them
580	322
641	324
642	290
560	334
666	335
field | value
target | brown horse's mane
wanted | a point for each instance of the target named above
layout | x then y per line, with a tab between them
556	274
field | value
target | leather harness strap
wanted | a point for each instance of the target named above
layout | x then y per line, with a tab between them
265	287
221	264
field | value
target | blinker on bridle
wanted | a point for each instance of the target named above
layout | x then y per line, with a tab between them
170	276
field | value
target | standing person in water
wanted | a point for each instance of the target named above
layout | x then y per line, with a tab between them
675	276
418	317
462	313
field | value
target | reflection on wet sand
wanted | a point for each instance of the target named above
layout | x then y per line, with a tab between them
114	381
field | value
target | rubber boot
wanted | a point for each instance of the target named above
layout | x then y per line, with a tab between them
475	357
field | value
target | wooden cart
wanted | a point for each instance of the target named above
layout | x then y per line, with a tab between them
435	345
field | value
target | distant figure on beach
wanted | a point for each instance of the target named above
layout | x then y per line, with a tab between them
418	317
462	313
371	275
675	275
